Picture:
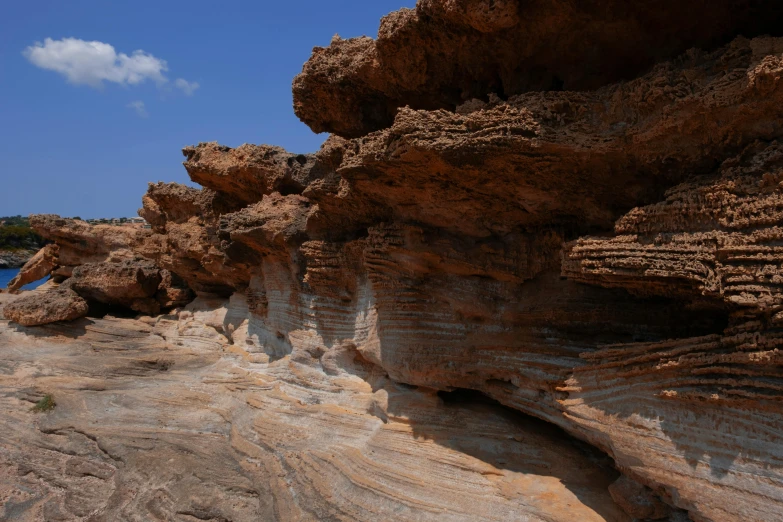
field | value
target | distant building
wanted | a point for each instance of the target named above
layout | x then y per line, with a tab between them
135	222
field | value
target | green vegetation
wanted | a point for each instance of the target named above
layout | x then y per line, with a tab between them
16	234
15	221
17	238
45	404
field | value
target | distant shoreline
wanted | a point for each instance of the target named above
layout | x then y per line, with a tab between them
15	258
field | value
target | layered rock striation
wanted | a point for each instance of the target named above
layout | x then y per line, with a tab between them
605	258
165	419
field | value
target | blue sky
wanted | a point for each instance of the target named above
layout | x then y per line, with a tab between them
84	127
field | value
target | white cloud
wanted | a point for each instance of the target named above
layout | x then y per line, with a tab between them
139	107
92	63
187	87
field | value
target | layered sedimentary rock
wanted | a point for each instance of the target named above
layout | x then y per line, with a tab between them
605	259
248	172
565	157
166	419
712	242
79	242
714	238
102	266
129	283
697	419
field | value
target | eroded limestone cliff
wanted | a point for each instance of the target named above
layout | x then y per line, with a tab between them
604	258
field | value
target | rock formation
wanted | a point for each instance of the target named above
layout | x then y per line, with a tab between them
165	419
52	305
587	234
37	267
446	52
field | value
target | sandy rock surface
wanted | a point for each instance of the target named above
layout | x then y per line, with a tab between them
164	419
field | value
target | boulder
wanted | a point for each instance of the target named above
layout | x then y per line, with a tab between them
130	284
44	307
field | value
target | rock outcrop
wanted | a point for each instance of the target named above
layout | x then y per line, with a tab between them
715	238
103	266
129	283
604	258
166	419
39	266
44	307
446	52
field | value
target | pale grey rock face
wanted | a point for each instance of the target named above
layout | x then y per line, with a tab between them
169	419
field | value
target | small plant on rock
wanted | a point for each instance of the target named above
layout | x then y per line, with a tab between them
45	404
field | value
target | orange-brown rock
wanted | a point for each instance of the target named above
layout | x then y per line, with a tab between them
712	238
186	222
130	283
175	203
79	242
273	225
714	400
567	157
46	306
248	172
39	266
446	52
172	292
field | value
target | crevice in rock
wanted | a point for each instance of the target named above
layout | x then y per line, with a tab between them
466	396
98	310
636	499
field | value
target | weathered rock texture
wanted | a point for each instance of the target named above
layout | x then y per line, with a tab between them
37	267
445	52
166	419
48	306
607	260
715	238
103	266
